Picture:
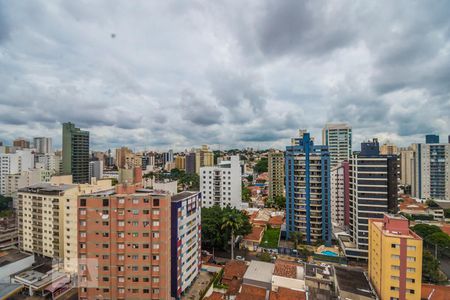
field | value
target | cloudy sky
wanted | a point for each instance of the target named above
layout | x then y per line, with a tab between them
176	74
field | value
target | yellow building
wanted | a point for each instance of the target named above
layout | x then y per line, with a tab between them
388	149
204	157
276	174
395	259
48	218
180	162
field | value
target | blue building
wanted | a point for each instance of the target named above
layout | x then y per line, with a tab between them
432	139
307	170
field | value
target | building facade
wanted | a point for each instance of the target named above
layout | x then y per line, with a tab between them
180	162
307	173
21	143
340	195
14	163
276	174
373	192
8	232
338	138
431	170
388	149
47	218
407	166
124	237
395	259
96	169
75	158
43	145
221	184
185	241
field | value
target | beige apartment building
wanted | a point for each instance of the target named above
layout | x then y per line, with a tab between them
276	174
47	218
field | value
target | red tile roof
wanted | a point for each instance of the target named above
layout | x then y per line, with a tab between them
435	292
276	220
256	234
411	204
285	269
287	294
446	228
251	292
234	269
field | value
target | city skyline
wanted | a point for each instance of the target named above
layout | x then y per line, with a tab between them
166	75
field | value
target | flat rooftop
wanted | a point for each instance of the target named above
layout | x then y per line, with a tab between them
259	271
353	281
10	256
183	195
47	188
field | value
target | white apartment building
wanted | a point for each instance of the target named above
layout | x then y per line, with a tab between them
14	163
14	182
50	162
185	240
96	169
339	195
221	184
47	218
43	145
338	138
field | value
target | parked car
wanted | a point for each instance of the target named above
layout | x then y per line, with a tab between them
240	258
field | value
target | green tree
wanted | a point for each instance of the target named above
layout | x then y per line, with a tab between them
280	202
232	221
246	194
441	239
261	166
5	202
425	230
265	256
296	237
447	213
430	267
214	234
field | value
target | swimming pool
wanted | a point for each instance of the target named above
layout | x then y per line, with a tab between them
329	253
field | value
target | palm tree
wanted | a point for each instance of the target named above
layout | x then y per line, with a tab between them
296	237
232	221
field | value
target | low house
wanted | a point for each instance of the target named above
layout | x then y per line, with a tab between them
13	261
435	292
276	221
351	283
252	240
289	275
251	292
259	274
233	275
287	294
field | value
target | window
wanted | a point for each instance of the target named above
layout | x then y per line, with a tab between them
135	268
395	267
82	211
135	279
155	246
120	223
121	200
121	246
105	246
145	211
83	234
135	234
155	212
121	279
155	234
155	223
82	223
155	257
411	248
135	212
105	279
156	202
155	279
105	202
120	234
411	270
135	201
82	202
146	291
410	258
105	234
394	288
145	279
105	268
121	290
121	257
394	256
395	278
155	268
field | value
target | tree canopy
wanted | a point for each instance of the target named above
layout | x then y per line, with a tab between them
261	166
215	234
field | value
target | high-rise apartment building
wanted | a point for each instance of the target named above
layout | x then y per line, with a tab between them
43	145
340	195
96	169
47	218
14	163
432	139
373	192
407	166
307	168
75	158
180	162
221	184
185	241
190	163
431	169
388	149
50	162
21	143
338	138
276	174
395	259
126	159
125	238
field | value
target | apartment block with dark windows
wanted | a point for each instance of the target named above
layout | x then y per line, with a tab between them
124	236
